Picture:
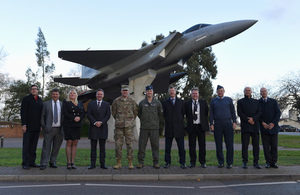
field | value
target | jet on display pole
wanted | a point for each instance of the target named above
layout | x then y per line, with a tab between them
109	69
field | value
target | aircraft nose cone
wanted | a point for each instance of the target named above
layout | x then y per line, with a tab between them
231	29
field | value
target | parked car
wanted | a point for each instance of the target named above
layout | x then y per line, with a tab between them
288	128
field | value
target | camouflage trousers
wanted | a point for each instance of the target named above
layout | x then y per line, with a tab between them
120	133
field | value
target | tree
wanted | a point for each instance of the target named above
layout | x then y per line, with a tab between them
289	92
4	79
200	68
15	93
43	56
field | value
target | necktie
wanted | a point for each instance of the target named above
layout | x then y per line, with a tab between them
98	105
195	110
55	119
173	101
265	100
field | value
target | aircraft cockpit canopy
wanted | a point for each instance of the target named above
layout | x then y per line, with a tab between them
196	27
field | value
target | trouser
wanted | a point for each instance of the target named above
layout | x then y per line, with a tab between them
197	132
154	140
94	151
52	139
224	129
181	150
270	145
30	141
245	143
120	133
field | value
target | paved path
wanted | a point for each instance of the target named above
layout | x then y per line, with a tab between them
149	173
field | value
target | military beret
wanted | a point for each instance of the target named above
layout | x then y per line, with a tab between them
219	87
149	87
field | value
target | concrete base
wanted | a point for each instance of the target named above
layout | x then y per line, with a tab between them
137	86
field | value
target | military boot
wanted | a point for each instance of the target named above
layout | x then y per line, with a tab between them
130	166
118	165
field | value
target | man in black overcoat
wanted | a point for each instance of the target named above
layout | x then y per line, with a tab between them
173	112
196	111
249	111
98	113
31	111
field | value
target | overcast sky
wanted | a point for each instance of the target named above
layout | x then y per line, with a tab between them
262	54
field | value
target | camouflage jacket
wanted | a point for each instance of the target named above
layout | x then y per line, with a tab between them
124	111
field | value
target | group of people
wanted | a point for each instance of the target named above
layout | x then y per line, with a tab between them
60	120
64	120
256	116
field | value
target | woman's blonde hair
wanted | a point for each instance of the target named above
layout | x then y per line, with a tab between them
68	98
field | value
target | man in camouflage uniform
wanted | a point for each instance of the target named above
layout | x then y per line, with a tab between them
124	111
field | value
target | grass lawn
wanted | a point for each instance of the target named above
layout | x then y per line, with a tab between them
286	141
13	157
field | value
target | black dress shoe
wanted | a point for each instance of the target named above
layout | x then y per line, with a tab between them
167	165
34	165
73	166
53	165
183	166
203	165
229	166
244	166
91	167
268	166
221	165
103	167
192	165
274	166
43	167
26	167
256	165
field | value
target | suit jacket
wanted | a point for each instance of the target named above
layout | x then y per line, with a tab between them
270	114
70	111
103	115
47	116
249	107
174	118
203	115
31	112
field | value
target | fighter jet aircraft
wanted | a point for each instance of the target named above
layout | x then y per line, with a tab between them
109	69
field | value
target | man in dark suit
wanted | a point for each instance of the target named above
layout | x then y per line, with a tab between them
269	127
53	133
196	111
173	108
98	113
31	110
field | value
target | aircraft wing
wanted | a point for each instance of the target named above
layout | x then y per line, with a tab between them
74	81
97	58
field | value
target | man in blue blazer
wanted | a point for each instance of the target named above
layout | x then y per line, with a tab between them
51	122
196	111
98	113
